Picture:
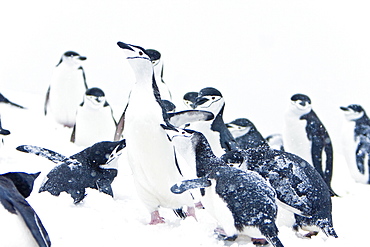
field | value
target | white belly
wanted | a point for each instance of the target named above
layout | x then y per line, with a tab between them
66	94
94	125
151	155
295	138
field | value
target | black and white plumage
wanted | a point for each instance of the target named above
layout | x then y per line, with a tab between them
66	90
150	153
4	100
242	202
89	168
298	185
245	133
157	61
189	99
94	119
305	135
275	141
356	142
14	188
216	132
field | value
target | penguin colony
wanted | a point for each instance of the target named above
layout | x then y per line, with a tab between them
243	178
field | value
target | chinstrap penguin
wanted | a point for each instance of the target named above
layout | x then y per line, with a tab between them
216	132
189	99
94	119
66	90
14	188
242	202
90	168
356	143
245	133
299	187
150	153
305	135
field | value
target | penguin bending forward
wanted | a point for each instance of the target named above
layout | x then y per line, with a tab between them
90	168
242	202
66	90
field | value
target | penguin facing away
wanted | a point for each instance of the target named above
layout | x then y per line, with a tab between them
150	153
216	132
300	189
306	136
90	168
94	119
14	188
242	202
156	58
66	90
356	143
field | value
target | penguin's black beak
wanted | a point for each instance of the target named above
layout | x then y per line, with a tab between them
228	125
344	108
124	46
82	58
198	101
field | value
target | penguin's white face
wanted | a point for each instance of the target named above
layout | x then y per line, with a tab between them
352	115
94	101
300	107
73	60
237	130
212	103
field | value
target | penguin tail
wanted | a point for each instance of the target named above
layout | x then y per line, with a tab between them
270	231
327	227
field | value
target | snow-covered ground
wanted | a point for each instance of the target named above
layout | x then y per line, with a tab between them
257	53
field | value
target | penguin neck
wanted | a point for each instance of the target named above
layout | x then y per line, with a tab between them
143	74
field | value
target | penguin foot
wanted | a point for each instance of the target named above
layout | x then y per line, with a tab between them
191	212
199	205
156	218
259	241
310	234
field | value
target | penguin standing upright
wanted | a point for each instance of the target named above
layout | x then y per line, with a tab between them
94	119
216	132
156	58
66	90
150	153
356	143
305	135
242	202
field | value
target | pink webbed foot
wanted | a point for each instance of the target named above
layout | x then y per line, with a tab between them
156	218
191	212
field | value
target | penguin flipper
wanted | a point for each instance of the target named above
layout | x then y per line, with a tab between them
46	101
190	184
73	135
15	203
188	116
46	153
120	126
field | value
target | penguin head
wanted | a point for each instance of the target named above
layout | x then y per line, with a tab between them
209	99
189	99
154	55
353	112
168	105
300	104
94	98
71	58
240	127
176	132
136	56
103	153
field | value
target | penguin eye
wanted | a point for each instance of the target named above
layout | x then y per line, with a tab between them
213	97
141	53
239	127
